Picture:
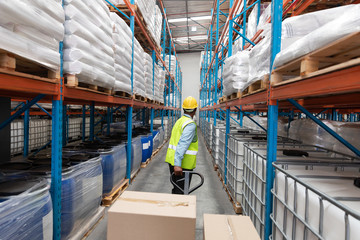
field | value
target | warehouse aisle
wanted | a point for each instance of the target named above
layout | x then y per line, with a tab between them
211	198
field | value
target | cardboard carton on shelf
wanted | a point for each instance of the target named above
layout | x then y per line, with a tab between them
152	216
229	227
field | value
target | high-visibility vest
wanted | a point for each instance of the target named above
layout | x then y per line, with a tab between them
189	160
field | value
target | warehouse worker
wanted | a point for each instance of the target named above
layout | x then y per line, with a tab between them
183	146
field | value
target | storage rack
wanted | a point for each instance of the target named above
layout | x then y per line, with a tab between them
32	90
332	93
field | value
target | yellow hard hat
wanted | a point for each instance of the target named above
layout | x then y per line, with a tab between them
189	103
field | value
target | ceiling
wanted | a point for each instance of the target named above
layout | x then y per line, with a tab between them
189	22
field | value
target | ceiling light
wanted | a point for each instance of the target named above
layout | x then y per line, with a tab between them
193	28
177	20
174	20
200	18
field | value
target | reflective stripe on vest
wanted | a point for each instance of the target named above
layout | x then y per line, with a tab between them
188	152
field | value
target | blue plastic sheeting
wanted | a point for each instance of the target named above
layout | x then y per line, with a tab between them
136	154
25	209
81	189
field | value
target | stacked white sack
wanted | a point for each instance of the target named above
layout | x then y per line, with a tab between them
149	76
162	85
319	29
293	29
235	73
170	63
158	25
33	29
88	52
151	14
122	37
139	69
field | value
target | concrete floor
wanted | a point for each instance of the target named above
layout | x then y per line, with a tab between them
211	197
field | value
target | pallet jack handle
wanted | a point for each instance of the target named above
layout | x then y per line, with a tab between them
186	178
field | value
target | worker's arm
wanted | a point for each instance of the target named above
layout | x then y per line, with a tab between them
186	138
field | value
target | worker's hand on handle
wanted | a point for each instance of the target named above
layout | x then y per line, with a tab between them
178	171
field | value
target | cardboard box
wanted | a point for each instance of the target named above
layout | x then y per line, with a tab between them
229	227
152	216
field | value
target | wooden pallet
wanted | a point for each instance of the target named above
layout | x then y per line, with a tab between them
144	164
18	66
236	205
139	35
341	54
122	94
233	96
139	98
133	176
72	81
111	198
87	234
216	167
257	86
150	101
222	99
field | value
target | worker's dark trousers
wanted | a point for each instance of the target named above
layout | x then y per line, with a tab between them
176	190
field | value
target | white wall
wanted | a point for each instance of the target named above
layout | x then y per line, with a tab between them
190	66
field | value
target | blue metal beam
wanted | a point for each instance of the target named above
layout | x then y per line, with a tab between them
83	123
326	128
118	9
42	109
129	141
21	111
92	121
56	166
246	115
26	132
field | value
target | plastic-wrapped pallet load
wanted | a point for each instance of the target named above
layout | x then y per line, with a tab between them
81	186
317	29
136	154
309	132
33	30
317	201
25	208
236	72
88	52
122	37
113	160
254	180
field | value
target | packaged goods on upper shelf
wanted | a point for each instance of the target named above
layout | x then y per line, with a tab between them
316	30
259	57
122	51
309	132
151	14
235	72
89	55
252	22
32	30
